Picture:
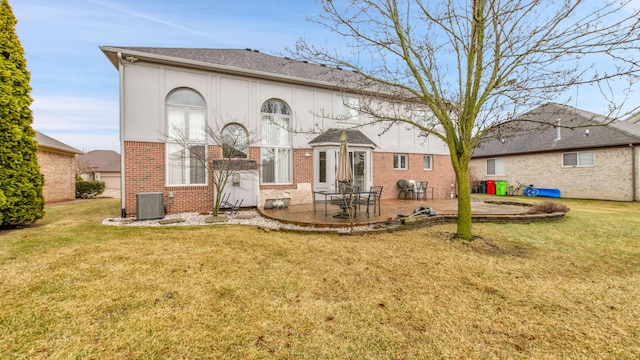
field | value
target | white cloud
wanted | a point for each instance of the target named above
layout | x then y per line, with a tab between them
81	122
75	113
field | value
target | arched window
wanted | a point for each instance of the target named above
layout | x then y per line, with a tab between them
186	143
235	141
276	150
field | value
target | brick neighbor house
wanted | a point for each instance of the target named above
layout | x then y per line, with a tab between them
288	103
100	165
585	155
57	164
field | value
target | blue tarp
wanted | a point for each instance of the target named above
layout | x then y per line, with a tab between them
552	193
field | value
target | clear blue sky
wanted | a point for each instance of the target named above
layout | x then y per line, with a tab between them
75	87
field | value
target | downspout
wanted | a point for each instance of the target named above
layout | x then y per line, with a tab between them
634	173
123	192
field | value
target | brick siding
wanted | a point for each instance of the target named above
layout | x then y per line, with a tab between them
440	178
59	175
145	172
609	179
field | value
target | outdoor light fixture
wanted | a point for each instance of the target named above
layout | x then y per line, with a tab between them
131	58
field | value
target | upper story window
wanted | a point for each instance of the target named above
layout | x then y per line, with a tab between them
276	149
186	142
235	141
496	167
348	107
581	158
400	162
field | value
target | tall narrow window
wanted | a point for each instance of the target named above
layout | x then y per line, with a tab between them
276	149
427	161
186	143
322	166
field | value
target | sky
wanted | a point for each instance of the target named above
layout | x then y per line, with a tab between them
75	87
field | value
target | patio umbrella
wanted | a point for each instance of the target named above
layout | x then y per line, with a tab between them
343	173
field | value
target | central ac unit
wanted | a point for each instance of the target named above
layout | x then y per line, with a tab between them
149	205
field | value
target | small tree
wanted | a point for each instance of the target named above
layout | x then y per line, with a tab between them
475	64
227	158
21	198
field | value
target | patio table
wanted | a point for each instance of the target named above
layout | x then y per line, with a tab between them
330	196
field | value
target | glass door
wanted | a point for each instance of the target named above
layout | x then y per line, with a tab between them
325	165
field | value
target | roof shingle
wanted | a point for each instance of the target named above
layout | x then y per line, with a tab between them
537	131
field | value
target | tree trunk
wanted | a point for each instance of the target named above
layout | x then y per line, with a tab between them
464	203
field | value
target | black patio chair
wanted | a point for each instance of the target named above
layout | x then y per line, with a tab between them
371	199
421	189
229	207
348	201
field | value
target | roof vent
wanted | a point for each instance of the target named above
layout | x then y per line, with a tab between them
248	49
256	50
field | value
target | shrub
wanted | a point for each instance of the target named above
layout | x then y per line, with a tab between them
88	189
548	207
21	199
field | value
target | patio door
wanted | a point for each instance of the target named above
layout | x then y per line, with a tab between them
326	162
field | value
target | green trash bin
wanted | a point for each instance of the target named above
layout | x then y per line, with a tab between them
501	188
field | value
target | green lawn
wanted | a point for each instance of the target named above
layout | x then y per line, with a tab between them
72	288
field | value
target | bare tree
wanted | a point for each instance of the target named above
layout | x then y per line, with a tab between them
476	64
225	159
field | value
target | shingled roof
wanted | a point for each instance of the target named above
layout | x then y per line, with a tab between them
332	136
45	141
240	61
101	161
536	131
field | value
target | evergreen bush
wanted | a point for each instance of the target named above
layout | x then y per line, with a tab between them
21	199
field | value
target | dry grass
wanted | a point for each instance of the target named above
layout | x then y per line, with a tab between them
71	288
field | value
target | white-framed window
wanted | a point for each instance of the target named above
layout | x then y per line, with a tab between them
427	161
400	161
276	150
186	143
348	108
235	141
496	167
580	158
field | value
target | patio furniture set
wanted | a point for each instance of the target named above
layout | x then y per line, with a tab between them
350	199
411	189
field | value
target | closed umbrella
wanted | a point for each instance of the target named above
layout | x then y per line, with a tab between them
343	173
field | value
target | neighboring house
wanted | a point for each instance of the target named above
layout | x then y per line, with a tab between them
582	157
57	164
101	165
634	118
291	105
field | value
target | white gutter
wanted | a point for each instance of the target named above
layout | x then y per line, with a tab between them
123	192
